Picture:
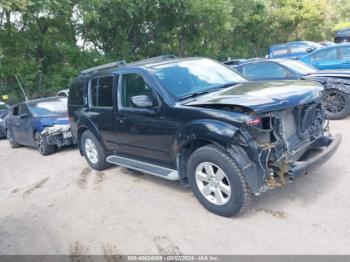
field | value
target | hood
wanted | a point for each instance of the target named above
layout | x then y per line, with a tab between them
262	97
50	121
332	73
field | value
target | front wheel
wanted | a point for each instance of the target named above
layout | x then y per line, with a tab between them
217	182
43	147
93	151
336	104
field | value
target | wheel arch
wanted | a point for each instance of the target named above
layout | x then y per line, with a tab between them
88	125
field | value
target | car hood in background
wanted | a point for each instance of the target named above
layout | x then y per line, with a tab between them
331	73
50	121
263	97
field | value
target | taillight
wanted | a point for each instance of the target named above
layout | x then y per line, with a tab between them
254	121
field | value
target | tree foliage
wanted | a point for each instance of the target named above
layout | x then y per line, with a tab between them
47	42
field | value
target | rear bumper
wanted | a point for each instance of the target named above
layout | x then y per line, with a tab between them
318	158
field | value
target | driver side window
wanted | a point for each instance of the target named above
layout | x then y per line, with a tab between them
133	85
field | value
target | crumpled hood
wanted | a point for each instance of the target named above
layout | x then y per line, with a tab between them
263	97
48	121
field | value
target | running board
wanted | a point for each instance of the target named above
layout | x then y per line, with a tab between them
163	172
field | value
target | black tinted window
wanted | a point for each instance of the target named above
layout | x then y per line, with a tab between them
101	92
76	93
93	91
23	109
133	85
104	95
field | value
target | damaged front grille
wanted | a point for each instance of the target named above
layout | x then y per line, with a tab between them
283	137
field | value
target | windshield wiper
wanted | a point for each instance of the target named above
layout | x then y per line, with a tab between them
195	94
226	85
209	90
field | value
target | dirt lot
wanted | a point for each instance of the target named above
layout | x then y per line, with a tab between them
57	205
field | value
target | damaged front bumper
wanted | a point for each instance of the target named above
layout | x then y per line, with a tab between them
317	157
58	135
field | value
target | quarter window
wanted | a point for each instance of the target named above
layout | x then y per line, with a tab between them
133	85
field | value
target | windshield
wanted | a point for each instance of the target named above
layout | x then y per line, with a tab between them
187	77
299	67
48	108
3	106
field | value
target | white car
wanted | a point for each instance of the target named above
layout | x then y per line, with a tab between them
63	92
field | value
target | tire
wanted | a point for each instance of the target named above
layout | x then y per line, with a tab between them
43	147
233	202
93	151
336	104
11	139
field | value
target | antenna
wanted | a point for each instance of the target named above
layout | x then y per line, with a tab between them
24	93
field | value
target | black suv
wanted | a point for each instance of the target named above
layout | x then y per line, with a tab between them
197	121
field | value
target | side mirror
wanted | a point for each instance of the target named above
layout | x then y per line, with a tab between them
142	101
23	116
310	49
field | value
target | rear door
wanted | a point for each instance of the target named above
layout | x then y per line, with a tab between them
345	57
326	59
100	109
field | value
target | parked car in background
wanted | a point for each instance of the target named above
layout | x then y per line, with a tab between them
330	57
342	36
233	62
41	123
293	50
336	83
4	108
197	121
63	92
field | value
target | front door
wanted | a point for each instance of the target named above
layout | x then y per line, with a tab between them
23	128
142	133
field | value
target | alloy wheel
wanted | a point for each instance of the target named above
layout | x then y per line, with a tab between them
334	102
91	151
213	183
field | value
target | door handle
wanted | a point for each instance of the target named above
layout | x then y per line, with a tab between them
121	119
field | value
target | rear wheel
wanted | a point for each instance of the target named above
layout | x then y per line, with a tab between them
217	182
93	151
11	139
336	104
43	147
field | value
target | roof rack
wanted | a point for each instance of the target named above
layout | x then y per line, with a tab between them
103	67
154	59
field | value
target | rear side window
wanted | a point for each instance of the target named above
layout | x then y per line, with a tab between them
101	91
76	93
299	48
279	50
264	70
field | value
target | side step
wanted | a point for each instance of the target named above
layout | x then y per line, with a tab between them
167	173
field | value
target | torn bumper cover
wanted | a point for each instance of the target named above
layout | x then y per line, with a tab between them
58	135
317	157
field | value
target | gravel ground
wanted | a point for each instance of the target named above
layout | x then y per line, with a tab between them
58	205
